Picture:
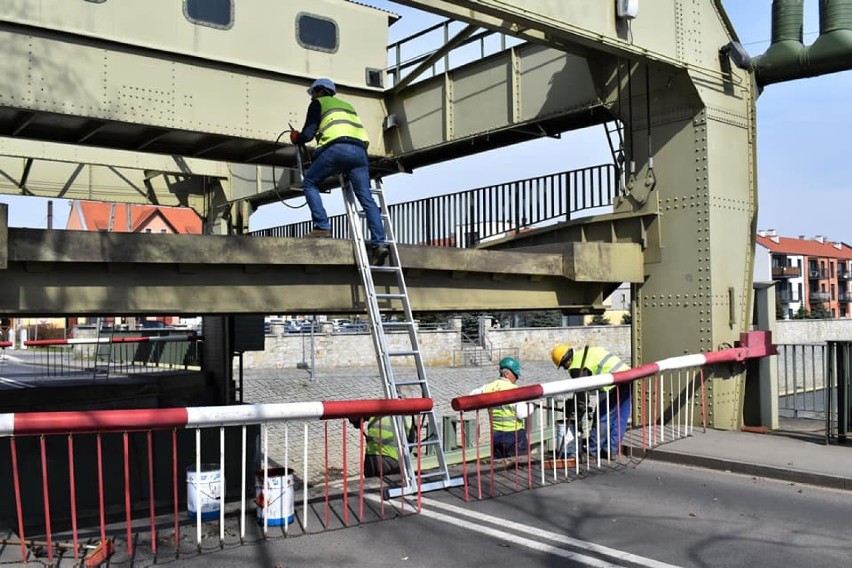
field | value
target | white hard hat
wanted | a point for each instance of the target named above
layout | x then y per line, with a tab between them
326	84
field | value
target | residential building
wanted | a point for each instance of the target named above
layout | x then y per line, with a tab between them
129	218
808	273
132	218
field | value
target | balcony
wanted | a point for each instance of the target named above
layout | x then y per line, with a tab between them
817	274
843	275
788	296
844	297
786	272
819	296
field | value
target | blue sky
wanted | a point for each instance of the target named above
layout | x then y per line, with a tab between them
804	189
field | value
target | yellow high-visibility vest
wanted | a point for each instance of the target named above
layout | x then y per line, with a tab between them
338	119
598	361
503	418
380	434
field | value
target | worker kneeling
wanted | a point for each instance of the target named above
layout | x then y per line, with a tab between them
612	402
508	434
381	454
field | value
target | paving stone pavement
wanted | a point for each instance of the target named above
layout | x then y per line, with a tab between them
270	385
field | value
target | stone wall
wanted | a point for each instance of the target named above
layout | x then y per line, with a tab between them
534	344
812	331
334	350
439	348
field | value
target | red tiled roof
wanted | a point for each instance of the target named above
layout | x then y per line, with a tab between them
806	247
95	216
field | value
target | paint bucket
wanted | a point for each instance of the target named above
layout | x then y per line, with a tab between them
275	501
203	493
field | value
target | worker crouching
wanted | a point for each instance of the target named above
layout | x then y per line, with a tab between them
508	432
612	401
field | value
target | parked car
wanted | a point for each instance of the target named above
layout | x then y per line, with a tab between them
354	327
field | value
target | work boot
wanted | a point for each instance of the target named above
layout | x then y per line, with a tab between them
319	234
378	254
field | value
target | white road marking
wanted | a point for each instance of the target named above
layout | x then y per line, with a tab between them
555	537
13	383
504	536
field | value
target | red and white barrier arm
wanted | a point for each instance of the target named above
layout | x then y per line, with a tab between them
30	423
4	344
95	340
753	344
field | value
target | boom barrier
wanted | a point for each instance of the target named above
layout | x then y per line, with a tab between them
587	419
575	428
15	427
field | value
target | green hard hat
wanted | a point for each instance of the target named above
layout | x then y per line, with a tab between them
512	364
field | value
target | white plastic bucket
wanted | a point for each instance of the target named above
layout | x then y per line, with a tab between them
275	501
204	496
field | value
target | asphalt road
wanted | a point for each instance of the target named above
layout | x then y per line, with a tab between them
656	515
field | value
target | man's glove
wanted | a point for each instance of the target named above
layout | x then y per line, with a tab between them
294	136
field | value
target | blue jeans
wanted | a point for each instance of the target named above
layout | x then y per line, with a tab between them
509	444
350	160
619	413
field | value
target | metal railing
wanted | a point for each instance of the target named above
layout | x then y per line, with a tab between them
56	464
801	380
819	296
114	356
475	356
471	217
838	394
579	425
410	52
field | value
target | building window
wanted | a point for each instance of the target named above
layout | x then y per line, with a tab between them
214	13
147	230
314	32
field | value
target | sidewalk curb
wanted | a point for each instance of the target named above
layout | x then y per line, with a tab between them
757	470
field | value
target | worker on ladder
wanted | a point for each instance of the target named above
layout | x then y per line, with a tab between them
341	149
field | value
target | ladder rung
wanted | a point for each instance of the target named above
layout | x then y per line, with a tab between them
429	442
390	296
375	268
397	323
403	353
409	383
431	474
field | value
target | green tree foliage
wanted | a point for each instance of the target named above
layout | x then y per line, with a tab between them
432	317
548	318
599	319
802	314
820	312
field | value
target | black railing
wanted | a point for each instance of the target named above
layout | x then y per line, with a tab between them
470	217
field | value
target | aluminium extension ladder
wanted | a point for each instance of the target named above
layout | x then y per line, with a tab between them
394	297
